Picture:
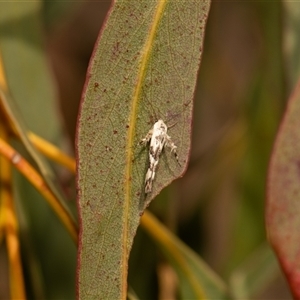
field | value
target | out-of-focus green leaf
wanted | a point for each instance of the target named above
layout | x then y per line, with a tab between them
283	201
29	82
144	68
131	295
31	86
51	244
291	41
252	276
196	279
26	68
16	119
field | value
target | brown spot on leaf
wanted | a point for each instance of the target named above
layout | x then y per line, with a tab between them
96	85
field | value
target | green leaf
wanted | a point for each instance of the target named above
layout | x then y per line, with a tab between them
283	201
131	295
144	68
196	279
12	112
291	41
254	274
30	99
28	74
31	87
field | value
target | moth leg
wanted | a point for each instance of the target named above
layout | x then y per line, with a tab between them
147	138
170	144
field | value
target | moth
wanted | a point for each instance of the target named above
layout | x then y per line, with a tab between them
159	139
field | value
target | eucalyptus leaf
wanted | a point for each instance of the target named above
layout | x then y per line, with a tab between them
283	201
144	68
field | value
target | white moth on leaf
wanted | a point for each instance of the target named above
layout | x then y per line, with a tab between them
159	139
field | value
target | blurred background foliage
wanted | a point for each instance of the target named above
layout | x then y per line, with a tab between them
217	208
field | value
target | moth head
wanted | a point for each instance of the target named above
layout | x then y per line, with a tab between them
160	124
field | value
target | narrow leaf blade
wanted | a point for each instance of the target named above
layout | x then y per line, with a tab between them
29	83
197	280
283	201
144	68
